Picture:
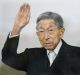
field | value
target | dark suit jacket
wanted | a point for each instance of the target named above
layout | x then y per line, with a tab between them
35	61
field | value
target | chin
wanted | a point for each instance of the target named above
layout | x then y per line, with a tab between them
49	48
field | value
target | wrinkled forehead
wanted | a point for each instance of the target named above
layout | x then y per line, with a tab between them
46	23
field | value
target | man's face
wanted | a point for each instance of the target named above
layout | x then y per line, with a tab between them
49	34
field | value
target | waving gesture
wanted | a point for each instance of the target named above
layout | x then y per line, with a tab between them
22	19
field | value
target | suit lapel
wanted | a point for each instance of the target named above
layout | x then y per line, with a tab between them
59	63
45	58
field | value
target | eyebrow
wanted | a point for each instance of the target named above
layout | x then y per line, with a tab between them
47	28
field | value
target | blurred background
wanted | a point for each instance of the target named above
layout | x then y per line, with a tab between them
68	9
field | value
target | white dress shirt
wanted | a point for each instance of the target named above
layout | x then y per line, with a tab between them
52	54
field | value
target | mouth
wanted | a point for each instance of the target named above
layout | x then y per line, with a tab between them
47	44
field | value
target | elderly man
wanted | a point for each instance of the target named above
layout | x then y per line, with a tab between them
55	57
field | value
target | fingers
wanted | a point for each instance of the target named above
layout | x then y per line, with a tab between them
25	8
23	15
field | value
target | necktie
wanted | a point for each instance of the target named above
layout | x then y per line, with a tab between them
51	56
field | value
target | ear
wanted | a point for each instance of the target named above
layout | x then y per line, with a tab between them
62	32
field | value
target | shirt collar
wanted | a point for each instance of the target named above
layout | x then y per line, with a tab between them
56	50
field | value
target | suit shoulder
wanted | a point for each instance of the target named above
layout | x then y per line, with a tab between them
75	50
75	47
34	50
70	46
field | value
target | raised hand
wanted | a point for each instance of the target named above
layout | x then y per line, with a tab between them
22	19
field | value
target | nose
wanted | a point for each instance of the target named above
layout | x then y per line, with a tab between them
46	36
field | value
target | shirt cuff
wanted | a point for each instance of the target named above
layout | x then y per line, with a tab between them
12	36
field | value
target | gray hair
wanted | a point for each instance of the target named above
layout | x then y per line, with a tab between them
50	15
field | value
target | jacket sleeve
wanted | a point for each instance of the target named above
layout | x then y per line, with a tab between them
10	56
